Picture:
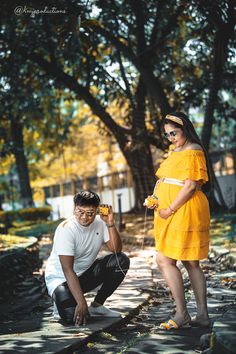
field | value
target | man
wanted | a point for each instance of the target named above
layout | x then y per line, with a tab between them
72	268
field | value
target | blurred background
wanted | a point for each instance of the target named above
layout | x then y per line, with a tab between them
85	85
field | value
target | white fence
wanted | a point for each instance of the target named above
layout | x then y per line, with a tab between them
63	206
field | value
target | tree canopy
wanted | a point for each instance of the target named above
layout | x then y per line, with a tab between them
152	56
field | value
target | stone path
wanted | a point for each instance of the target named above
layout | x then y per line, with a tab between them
143	300
36	331
142	335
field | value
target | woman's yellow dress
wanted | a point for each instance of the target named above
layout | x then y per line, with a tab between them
185	234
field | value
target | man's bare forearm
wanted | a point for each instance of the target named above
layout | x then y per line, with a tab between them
114	244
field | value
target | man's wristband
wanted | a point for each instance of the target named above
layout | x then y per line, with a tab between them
172	210
112	225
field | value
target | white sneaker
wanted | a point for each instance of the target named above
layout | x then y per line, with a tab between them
102	311
55	313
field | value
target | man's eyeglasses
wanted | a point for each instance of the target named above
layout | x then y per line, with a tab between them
170	134
89	214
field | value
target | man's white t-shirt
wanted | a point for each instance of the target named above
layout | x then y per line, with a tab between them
73	239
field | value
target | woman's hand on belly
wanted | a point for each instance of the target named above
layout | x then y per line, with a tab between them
165	213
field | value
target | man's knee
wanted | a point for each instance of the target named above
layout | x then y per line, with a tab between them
119	259
123	260
65	303
67	315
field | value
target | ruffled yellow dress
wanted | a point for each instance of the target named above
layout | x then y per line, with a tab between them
185	234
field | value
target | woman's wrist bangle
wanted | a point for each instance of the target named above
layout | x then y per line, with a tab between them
172	210
112	225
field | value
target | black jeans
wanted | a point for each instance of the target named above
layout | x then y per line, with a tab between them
108	271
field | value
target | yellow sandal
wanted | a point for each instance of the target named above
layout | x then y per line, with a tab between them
171	324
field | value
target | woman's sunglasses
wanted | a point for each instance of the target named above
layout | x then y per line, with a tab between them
170	134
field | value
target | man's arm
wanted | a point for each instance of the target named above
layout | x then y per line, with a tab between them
81	310
114	244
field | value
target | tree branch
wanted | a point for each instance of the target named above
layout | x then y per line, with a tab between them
82	93
153	83
122	70
166	30
153	36
137	7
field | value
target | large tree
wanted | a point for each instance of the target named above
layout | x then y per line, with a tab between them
132	51
27	110
223	20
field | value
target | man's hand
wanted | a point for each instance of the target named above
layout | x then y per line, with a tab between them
108	219
114	244
81	313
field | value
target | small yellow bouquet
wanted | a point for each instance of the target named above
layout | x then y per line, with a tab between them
151	200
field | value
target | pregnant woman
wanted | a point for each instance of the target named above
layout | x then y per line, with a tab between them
182	217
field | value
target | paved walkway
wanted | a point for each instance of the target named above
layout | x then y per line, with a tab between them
39	333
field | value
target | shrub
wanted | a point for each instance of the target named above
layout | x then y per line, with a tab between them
36	230
13	217
7	217
2	217
9	241
23	223
33	214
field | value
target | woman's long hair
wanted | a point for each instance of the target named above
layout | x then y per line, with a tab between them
192	136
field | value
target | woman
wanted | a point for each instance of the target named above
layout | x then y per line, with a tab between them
182	218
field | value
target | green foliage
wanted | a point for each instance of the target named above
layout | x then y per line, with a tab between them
166	44
223	230
34	214
36	230
156	56
9	218
18	224
9	241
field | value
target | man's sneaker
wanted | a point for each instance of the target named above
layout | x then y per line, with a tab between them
101	311
55	314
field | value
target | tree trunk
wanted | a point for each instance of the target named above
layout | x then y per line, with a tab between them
220	54
142	172
139	157
216	206
215	85
21	163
